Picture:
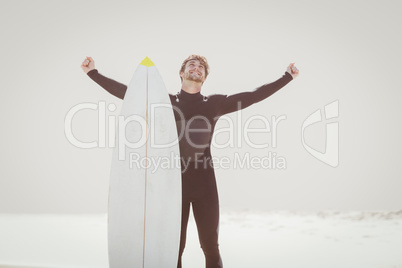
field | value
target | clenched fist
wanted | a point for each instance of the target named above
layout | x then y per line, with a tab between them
88	64
292	70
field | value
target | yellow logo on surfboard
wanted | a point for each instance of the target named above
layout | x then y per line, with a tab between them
147	62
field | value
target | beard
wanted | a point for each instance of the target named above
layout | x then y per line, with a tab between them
194	77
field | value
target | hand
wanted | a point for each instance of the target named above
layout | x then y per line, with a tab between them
292	70
88	64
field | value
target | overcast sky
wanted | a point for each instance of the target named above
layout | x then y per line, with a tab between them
348	53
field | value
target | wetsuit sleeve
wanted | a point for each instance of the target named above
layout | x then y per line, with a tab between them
235	102
113	87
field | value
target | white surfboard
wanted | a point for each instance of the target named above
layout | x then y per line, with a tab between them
144	217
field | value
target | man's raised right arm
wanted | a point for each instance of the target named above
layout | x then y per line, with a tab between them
113	87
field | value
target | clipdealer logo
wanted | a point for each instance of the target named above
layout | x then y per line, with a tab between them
330	156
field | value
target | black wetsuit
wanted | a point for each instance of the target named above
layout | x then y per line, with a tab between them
197	112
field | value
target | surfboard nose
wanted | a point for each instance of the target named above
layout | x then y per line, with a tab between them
147	62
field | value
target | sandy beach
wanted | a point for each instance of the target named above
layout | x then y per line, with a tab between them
283	239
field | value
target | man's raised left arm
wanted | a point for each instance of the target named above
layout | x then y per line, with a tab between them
235	102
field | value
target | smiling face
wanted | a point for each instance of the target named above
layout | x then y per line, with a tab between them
194	68
194	71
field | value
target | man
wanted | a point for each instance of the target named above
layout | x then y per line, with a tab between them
197	115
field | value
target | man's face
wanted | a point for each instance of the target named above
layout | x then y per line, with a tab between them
194	71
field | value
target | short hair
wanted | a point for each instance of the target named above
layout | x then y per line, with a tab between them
200	58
